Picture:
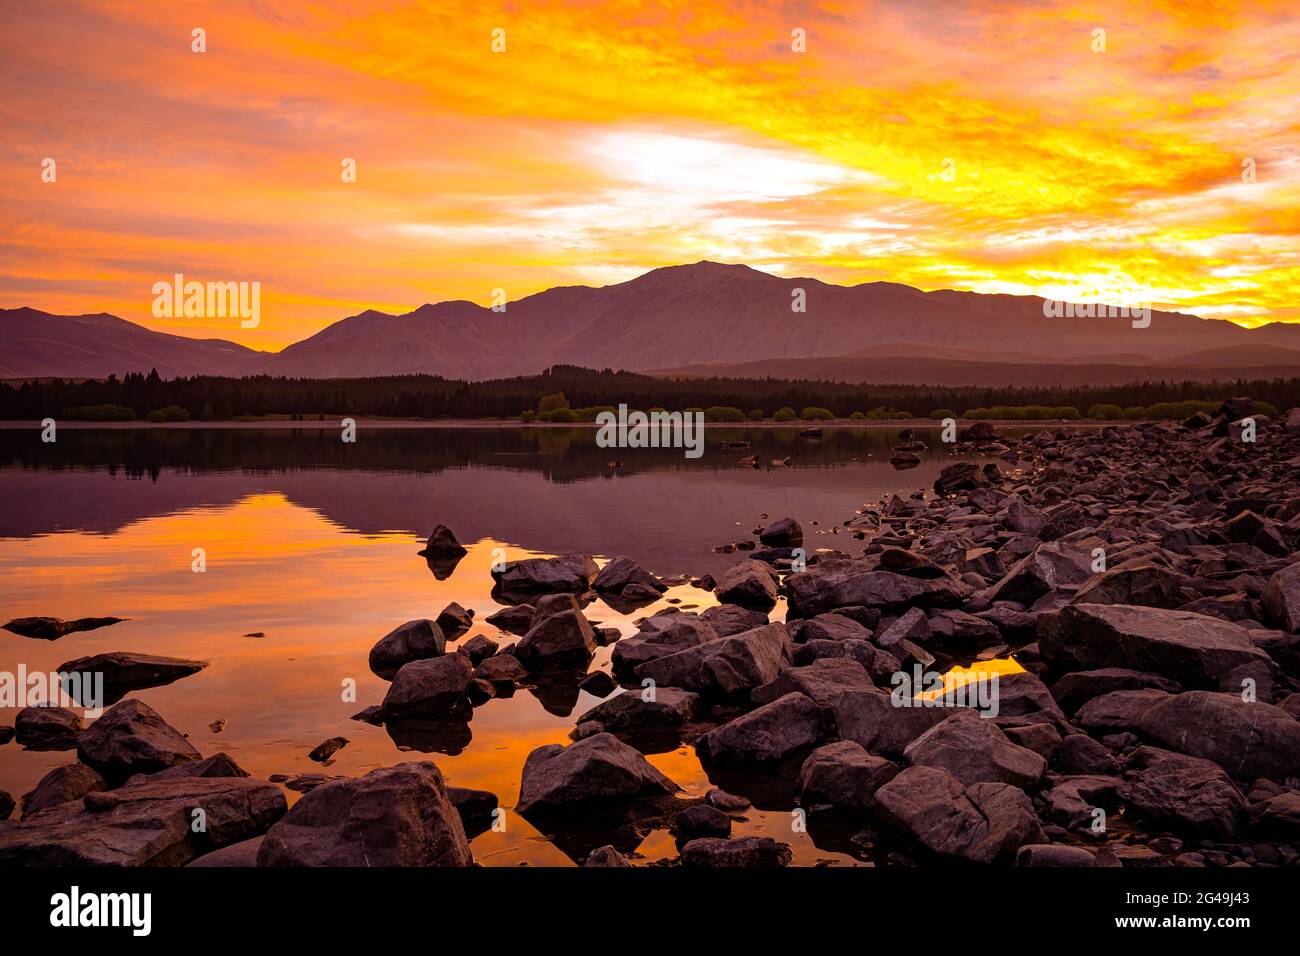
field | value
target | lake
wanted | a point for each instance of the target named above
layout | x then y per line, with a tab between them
311	542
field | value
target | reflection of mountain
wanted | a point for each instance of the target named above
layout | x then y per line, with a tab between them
669	516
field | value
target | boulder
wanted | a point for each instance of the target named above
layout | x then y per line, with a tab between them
412	641
129	738
1078	687
1186	793
983	823
454	621
631	712
881	665
1248	740
561	640
773	732
1054	855
435	687
745	852
501	670
442	543
729	619
702	820
477	809
659	636
821	680
960	476
727	667
1047	568
513	620
621	572
750	584
845	776
53	628
596	769
1134	582
1281	597
572	573
782	533
913	626
1120	710
1193	649
833	584
47	728
238	855
974	750
72	781
873	719
1080	754
606	856
1073	801
828	627
147	822
396	816
479	648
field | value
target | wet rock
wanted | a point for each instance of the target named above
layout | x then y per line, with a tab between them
1186	793
775	731
974	750
477	809
454	620
513	620
702	820
727	667
549	605
1192	649
746	852
397	816
832	584
53	628
844	776
620	573
147	822
124	672
961	476
561	640
47	728
660	636
307	782
1054	855
479	648
412	641
872	719
639	711
501	670
726	802
606	856
1077	688
782	533
571	573
129	738
600	768
328	748
821	680
598	684
1248	740
750	584
984	823
69	782
430	688
442	543
729	619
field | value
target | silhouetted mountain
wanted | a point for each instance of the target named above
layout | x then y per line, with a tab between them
710	314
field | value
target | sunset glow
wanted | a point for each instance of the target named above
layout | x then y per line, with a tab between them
967	145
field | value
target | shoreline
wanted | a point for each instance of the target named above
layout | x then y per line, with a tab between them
501	423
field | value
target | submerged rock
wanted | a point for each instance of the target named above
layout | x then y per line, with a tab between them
412	641
436	687
442	543
124	672
600	768
53	628
559	640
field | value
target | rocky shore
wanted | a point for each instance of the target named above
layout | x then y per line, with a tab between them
1144	580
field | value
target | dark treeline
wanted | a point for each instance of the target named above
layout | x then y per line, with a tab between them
209	398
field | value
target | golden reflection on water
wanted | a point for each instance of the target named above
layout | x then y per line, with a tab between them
322	595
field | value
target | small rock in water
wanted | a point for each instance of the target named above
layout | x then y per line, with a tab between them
218	725
328	748
598	683
605	856
53	628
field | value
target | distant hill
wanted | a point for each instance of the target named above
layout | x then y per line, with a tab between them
685	318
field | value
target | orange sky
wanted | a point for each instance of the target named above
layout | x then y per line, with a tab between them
609	139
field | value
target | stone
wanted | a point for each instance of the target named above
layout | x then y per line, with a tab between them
605	856
129	738
395	816
479	648
1281	597
913	626
750	584
513	620
571	573
53	628
828	627
561	640
872	719
412	641
435	687
1078	687
729	619
123	671
845	776
619	573
1134	582
442	543
974	750
1080	754
1054	855
598	684
745	852
832	584
454	621
702	820
1046	569
1119	710
63	784
1193	649
632	712
782	533
726	667
596	769
821	680
147	822
1248	740
1186	793
47	728
328	748
983	823
775	731
661	635
238	855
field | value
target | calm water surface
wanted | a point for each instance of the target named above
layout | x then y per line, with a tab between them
313	543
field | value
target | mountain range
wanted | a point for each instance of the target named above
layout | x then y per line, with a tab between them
706	318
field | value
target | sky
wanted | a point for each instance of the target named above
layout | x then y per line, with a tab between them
984	146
